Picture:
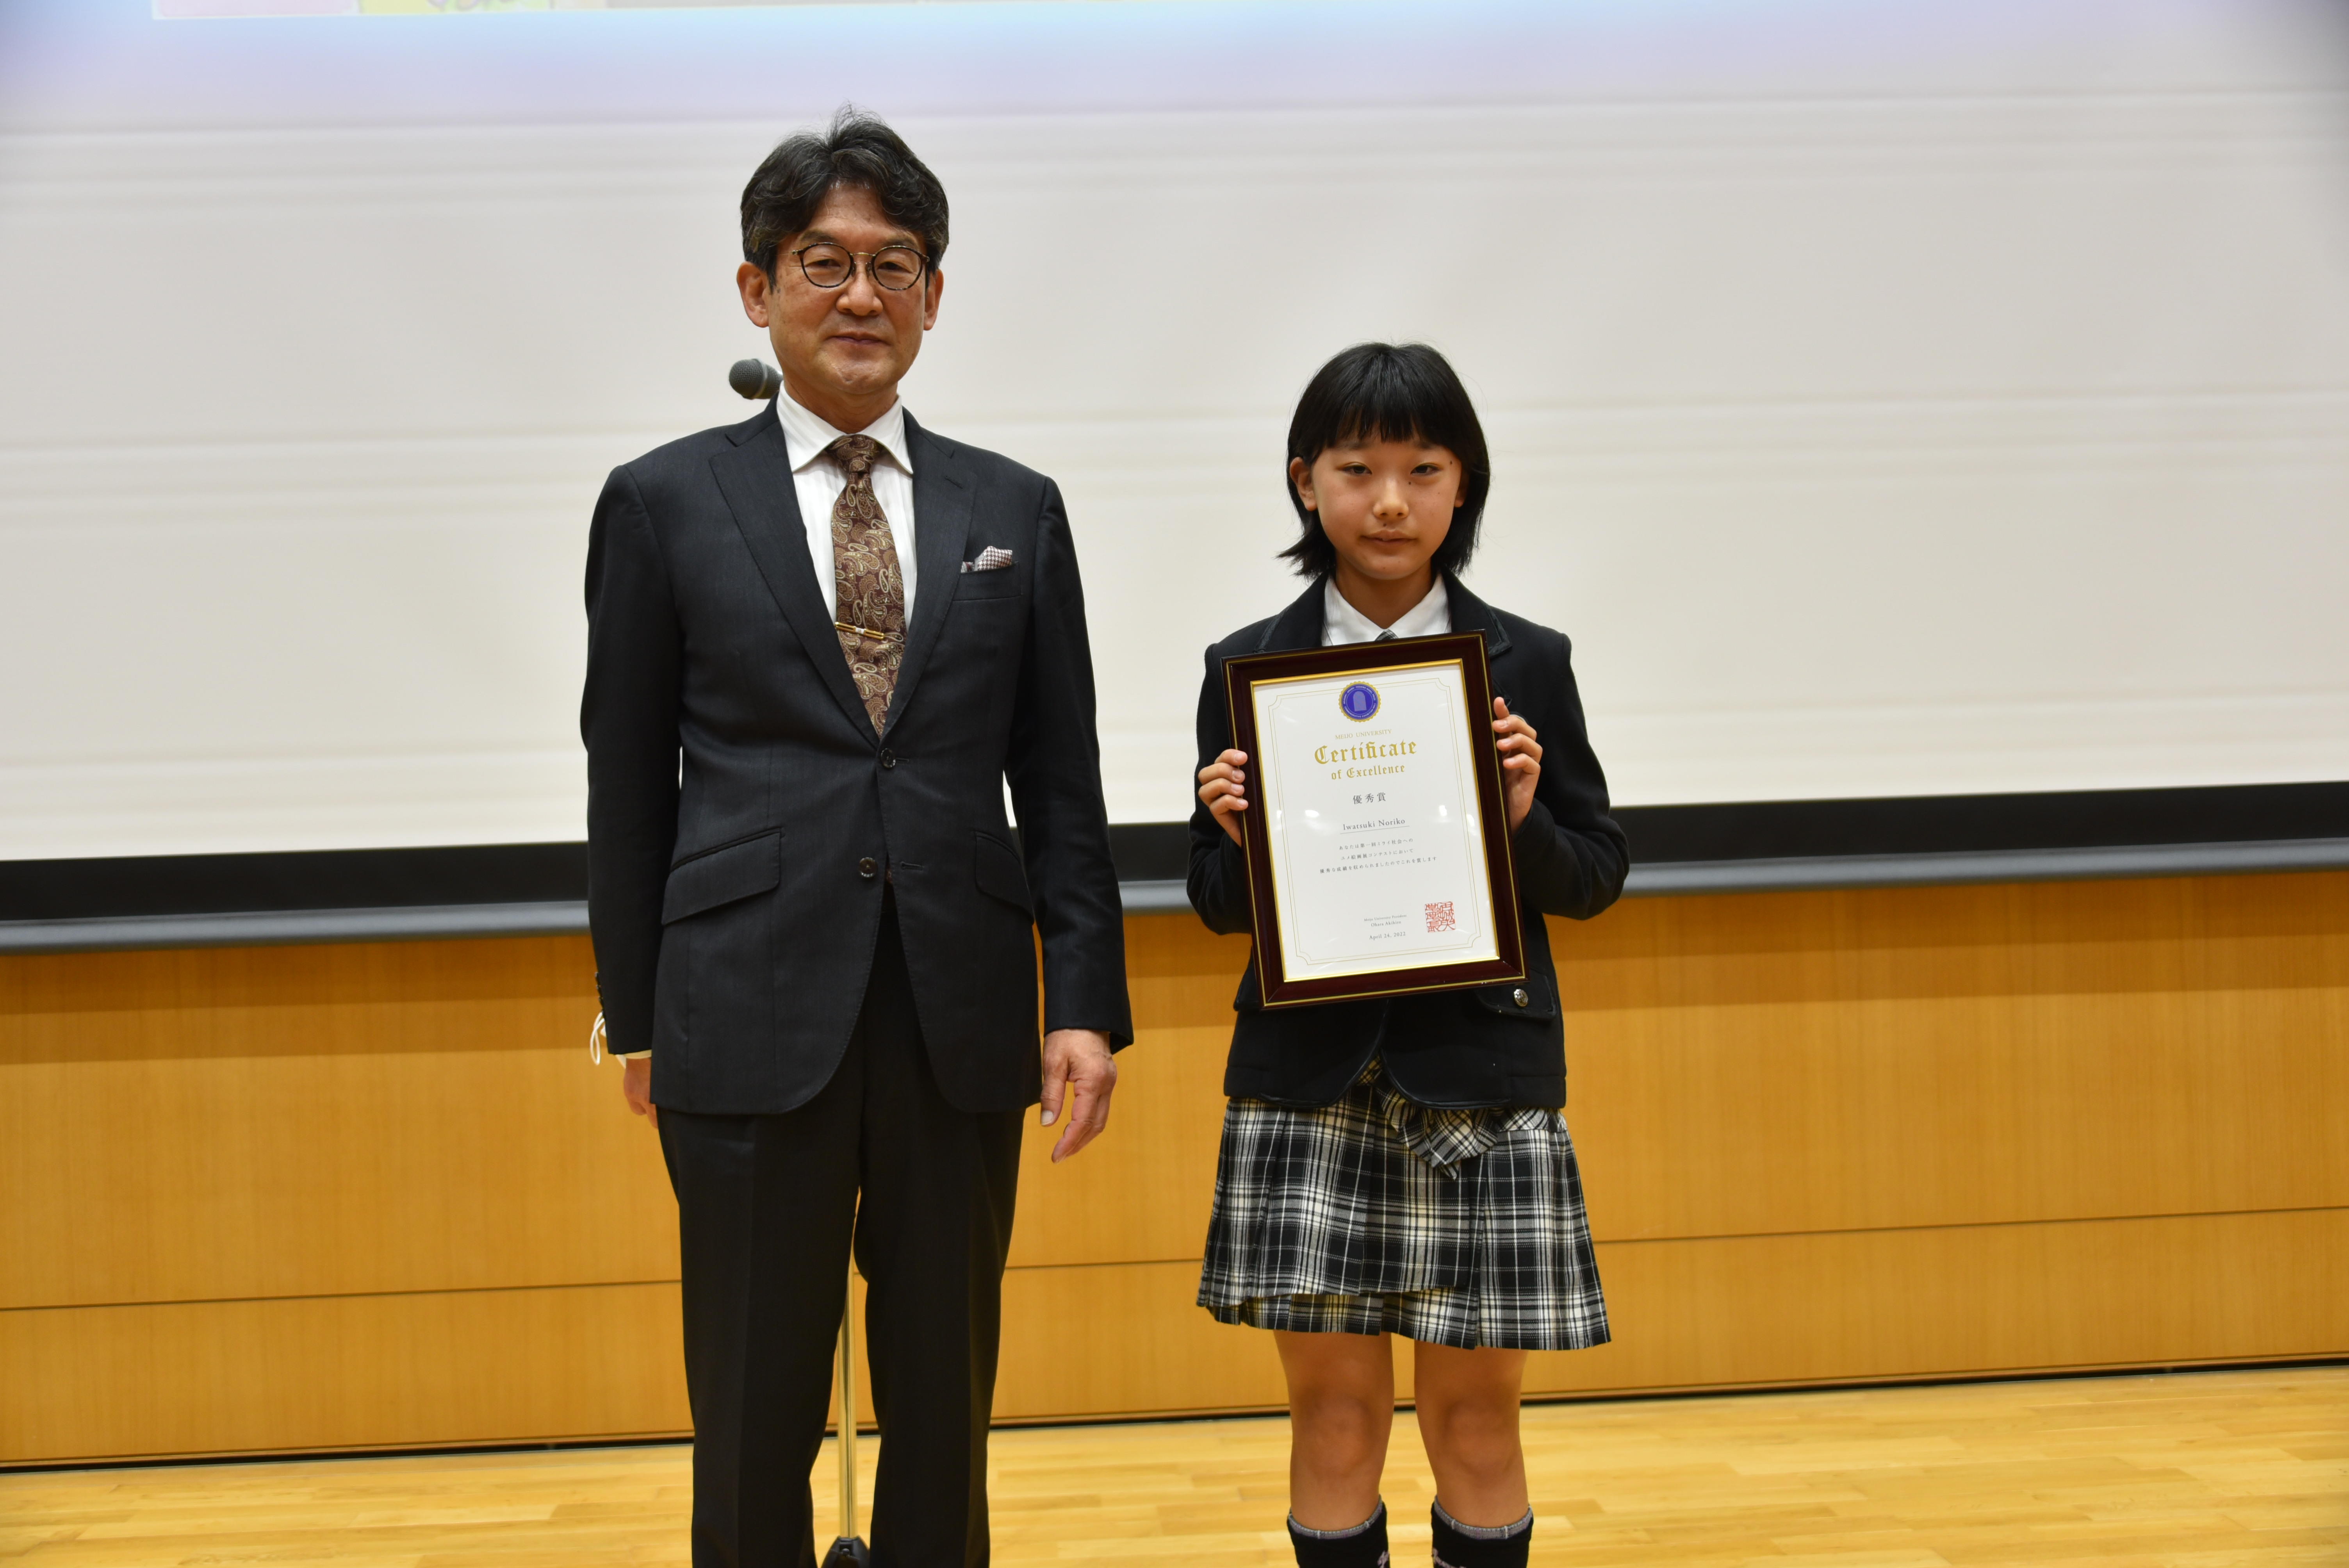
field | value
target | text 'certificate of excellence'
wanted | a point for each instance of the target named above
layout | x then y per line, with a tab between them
1377	841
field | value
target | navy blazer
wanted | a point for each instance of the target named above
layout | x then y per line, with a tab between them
744	821
1452	1049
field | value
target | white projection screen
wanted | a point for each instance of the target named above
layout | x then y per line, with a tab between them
1929	398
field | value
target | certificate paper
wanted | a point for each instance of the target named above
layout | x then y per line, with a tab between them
1373	832
1378	843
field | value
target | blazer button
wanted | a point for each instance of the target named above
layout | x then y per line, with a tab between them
867	868
1519	997
888	757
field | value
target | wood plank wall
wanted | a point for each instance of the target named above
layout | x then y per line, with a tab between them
373	1195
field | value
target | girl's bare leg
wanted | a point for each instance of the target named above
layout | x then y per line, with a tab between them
1468	1418
1341	1410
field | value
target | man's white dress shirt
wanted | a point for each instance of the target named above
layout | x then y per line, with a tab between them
818	480
1342	623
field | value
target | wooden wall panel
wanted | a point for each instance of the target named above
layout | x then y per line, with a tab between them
1940	1055
1124	1337
483	1367
321	1372
248	1197
1964	1301
1142	1192
1722	1312
315	1120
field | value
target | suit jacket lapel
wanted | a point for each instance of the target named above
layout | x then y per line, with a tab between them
943	498
1470	613
755	478
1299	626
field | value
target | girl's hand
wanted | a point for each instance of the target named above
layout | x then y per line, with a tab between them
1223	790
1520	762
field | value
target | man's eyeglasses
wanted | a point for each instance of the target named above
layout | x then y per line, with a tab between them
893	267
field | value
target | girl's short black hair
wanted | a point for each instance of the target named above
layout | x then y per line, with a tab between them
1389	392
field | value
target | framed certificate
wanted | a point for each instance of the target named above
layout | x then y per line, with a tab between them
1377	841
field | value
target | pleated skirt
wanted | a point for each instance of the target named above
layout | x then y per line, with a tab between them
1378	1215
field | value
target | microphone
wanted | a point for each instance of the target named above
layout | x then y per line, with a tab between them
755	379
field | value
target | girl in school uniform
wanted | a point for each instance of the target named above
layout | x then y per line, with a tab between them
1401	1166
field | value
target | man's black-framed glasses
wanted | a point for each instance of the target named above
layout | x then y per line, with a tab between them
893	267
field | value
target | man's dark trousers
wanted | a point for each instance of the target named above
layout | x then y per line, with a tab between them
766	1205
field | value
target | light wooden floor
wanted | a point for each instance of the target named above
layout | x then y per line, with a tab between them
2203	1468
1832	1135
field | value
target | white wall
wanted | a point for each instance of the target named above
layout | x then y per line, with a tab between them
1951	420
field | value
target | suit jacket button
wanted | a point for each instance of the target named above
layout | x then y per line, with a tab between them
1519	997
867	867
888	757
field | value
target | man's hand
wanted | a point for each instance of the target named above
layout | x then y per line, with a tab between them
1076	1061
637	1088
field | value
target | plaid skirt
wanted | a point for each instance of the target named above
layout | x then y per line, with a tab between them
1378	1215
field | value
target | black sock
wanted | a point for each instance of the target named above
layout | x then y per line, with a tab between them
1364	1546
1459	1545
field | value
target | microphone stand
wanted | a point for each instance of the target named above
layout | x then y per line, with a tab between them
849	1550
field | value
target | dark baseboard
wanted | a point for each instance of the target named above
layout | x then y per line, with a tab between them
1990	831
149	885
1961	824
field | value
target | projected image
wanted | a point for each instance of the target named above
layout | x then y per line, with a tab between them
1890	400
194	10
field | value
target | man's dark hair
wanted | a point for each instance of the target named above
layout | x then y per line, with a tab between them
1390	392
859	151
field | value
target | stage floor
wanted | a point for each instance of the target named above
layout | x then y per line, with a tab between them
2250	1470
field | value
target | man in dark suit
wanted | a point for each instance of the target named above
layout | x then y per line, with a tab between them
820	643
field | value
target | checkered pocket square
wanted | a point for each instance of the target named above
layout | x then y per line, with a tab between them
994	557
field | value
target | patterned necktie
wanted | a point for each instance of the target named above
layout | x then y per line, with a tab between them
870	602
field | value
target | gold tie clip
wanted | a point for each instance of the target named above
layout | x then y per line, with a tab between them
867	632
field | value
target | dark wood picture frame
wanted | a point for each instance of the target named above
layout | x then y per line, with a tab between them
1240	677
